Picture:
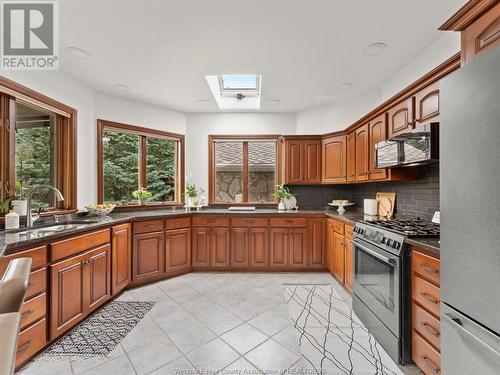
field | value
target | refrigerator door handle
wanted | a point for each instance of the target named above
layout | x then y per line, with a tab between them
458	325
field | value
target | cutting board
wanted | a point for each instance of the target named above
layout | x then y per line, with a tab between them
386	202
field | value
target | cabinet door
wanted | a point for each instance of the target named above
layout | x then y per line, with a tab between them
239	247
330	246
400	118
348	270
297	242
351	157
378	133
178	250
312	162
316	242
148	256
219	247
121	258
294	161
334	159
67	303
98	276
278	248
201	247
258	247
338	257
362	158
427	105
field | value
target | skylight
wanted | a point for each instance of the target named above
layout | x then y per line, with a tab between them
239	82
236	91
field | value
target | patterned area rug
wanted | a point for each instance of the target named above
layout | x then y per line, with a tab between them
331	338
100	333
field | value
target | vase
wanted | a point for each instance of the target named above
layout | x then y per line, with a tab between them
281	205
290	203
20	207
190	201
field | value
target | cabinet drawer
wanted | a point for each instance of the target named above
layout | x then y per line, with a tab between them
37	283
254	222
289	222
30	341
425	356
38	257
75	245
338	226
348	231
181	222
211	221
148	226
427	325
427	295
426	266
33	309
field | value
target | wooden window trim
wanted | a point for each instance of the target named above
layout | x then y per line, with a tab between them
66	141
102	125
212	139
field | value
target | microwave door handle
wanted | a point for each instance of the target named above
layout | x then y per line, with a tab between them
375	254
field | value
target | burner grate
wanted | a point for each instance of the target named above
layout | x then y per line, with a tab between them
409	228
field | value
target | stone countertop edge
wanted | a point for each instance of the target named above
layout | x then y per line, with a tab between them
428	246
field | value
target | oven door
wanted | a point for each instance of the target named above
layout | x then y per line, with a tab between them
377	282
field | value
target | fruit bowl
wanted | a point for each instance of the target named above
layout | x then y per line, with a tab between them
100	209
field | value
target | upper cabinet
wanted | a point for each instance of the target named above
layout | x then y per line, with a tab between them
334	159
479	24
351	156
362	153
302	164
378	133
401	117
427	104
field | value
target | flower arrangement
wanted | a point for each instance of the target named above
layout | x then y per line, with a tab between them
282	192
191	191
142	194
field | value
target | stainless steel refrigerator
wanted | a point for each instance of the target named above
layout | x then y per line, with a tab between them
470	218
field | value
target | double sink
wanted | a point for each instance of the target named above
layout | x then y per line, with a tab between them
53	227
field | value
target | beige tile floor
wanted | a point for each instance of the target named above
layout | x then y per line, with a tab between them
211	322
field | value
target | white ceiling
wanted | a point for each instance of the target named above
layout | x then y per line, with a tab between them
163	49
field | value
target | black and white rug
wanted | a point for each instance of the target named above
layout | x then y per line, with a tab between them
99	334
332	340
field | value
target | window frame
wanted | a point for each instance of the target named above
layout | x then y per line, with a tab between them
213	139
66	142
143	133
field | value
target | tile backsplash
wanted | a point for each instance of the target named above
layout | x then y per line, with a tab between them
419	198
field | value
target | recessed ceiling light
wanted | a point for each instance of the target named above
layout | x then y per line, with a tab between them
121	87
79	53
274	101
374	48
202	101
345	86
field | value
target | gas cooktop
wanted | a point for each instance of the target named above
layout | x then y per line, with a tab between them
409	228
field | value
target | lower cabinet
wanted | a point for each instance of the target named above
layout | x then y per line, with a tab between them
316	241
348	264
210	247
278	247
148	256
297	247
178	250
239	247
79	285
288	248
339	257
339	252
121	258
258	247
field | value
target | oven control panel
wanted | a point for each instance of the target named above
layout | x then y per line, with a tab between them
387	240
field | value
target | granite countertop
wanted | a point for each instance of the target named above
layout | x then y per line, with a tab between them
430	246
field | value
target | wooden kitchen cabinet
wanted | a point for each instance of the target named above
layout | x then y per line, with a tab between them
79	285
334	150
330	245
239	247
278	247
249	243
121	258
348	258
219	247
378	133
201	247
351	157
302	160
339	257
258	247
317	242
178	250
362	153
148	256
297	247
210	247
400	117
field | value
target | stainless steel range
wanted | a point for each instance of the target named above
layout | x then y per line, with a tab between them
381	291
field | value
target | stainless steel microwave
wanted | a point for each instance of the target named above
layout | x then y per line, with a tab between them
417	147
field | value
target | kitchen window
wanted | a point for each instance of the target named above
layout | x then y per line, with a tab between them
243	169
132	157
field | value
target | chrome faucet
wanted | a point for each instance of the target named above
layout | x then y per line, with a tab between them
29	218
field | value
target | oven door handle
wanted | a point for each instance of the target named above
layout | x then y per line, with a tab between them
375	254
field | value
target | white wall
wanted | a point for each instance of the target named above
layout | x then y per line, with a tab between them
199	126
341	114
113	108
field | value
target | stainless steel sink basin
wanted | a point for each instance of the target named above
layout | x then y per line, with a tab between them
52	227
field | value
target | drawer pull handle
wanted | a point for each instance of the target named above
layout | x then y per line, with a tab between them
429	298
430	364
24	347
178	223
430	329
27	314
425	267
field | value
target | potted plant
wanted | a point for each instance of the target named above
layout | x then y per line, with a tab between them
287	200
142	195
191	194
19	202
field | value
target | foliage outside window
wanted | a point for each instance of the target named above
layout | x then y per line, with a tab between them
132	158
243	170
